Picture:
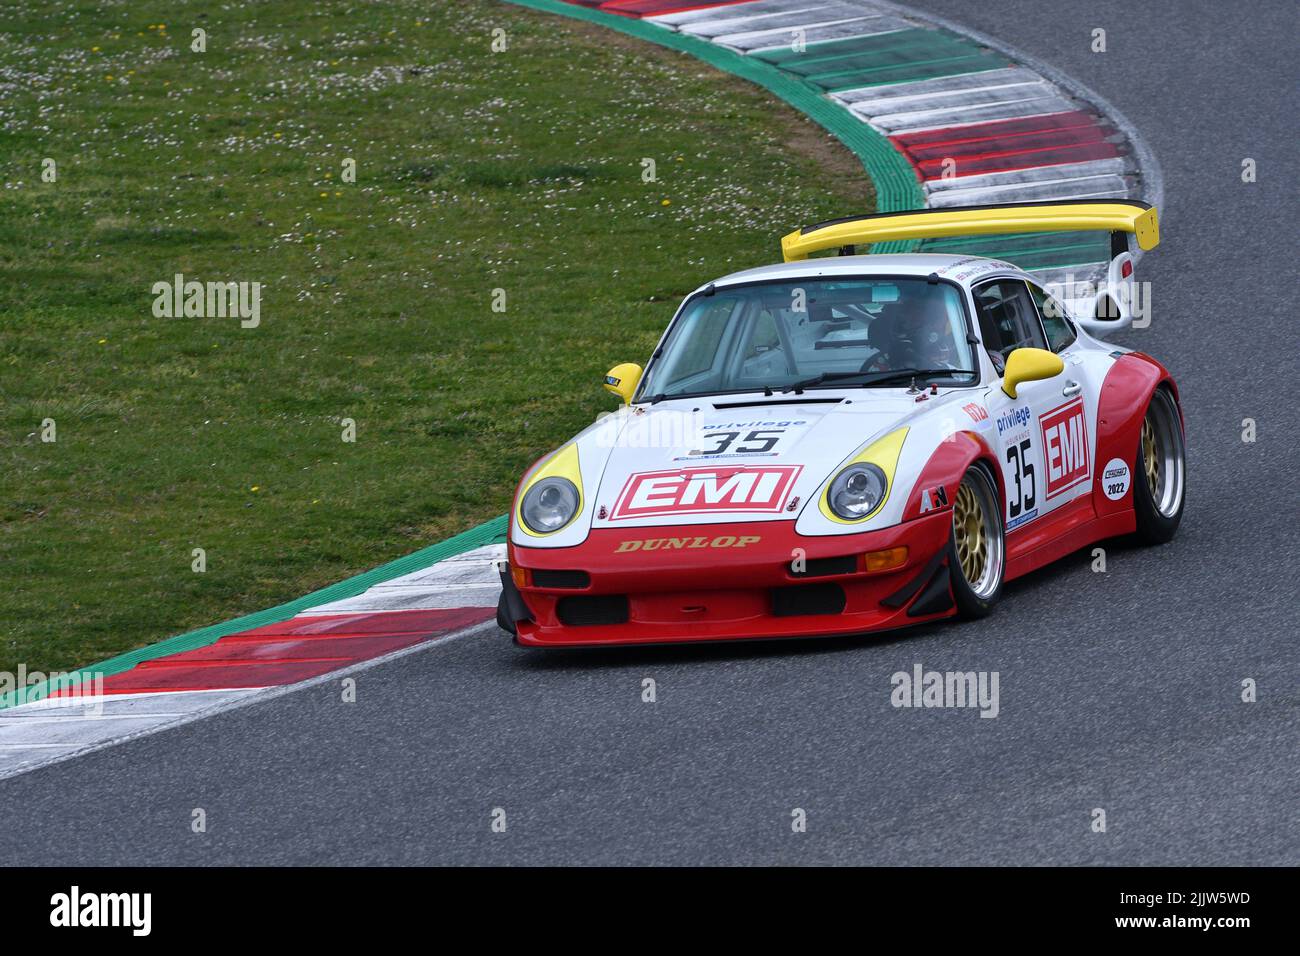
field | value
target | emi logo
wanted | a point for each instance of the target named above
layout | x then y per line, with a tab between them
1065	447
705	491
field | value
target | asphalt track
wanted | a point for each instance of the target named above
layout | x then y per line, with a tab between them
1118	690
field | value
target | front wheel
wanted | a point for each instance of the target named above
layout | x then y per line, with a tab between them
1160	471
976	547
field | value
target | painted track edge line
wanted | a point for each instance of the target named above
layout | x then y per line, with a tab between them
258	695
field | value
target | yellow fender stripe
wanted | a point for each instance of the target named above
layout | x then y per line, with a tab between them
563	464
883	453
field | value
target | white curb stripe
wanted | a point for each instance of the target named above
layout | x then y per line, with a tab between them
952	99
469	580
987	80
1112	187
739	11
1119	166
758	41
955	117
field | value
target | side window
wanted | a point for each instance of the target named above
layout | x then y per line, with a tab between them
1060	332
1008	317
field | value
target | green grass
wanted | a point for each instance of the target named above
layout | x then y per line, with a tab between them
476	171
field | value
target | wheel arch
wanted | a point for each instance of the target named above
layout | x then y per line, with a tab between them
946	466
1125	394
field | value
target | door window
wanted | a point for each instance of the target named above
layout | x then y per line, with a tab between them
1057	325
1008	317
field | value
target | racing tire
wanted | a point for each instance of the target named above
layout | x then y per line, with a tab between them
977	547
1159	471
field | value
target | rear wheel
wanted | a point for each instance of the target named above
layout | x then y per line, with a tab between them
976	547
1160	471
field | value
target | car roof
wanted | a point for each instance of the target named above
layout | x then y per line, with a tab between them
961	269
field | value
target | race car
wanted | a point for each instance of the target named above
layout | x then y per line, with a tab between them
853	443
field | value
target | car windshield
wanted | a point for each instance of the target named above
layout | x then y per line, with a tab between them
814	333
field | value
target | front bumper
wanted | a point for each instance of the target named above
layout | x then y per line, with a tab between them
727	582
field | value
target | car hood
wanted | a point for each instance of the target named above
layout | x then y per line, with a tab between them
699	461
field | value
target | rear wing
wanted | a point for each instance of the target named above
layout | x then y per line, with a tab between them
1117	216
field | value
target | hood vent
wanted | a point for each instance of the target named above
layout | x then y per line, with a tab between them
779	401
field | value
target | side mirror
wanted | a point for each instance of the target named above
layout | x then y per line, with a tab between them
1030	365
622	380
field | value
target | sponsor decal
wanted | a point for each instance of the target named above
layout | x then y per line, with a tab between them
1024	516
1065	447
1115	479
1014	418
717	490
725	426
687	544
932	498
977	413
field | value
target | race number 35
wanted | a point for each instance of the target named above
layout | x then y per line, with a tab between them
1023	472
766	440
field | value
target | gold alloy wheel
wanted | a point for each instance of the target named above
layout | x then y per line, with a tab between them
968	532
1161	454
1150	457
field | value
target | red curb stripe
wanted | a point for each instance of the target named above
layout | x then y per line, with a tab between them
291	651
1020	159
651	8
143	680
1077	136
279	650
998	129
1053	139
368	622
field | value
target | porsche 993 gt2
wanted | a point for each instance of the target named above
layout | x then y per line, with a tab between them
853	443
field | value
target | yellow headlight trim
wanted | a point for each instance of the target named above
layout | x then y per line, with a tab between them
883	453
563	464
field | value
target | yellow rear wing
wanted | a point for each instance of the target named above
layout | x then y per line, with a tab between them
1112	215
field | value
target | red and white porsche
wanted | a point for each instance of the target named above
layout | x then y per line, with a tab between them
856	443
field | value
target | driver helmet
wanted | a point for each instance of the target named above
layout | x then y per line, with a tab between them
928	330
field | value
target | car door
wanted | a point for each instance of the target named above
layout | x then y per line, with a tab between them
1085	372
1043	439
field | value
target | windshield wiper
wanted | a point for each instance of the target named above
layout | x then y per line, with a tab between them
823	377
922	373
874	378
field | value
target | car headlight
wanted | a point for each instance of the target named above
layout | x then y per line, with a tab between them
857	491
549	505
